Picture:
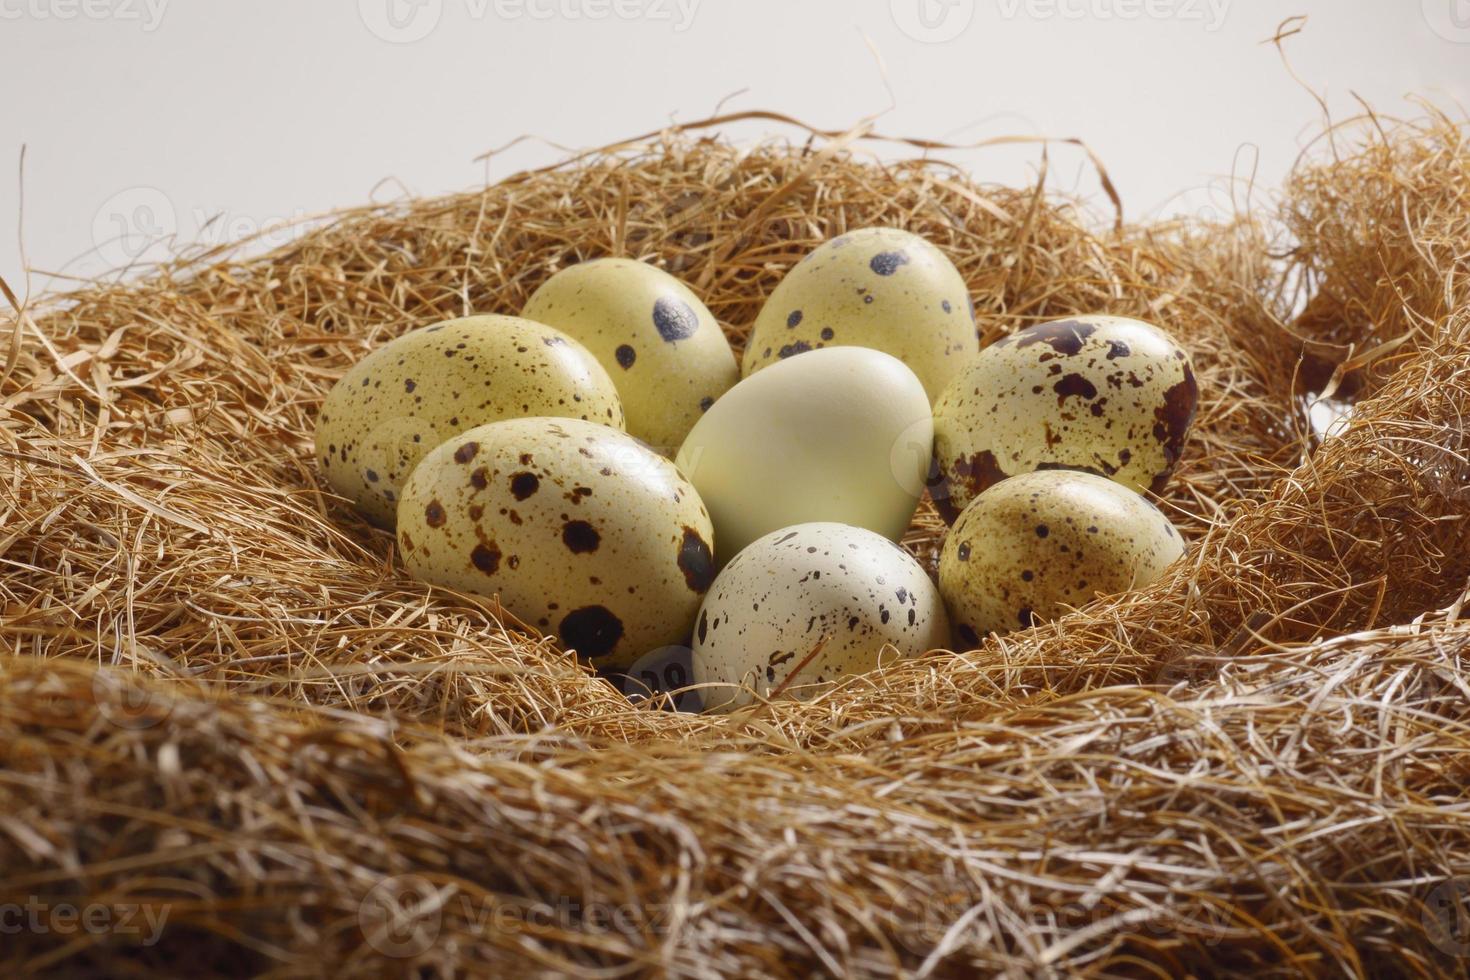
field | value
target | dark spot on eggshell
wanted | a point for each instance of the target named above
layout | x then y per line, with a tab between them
703	625
796	347
887	263
372	476
1026	618
968	634
705	403
792	319
480	478
626	355
975	473
1042	530
1074	384
434	515
827	333
466	452
580	537
486	557
696	561
1064	336
593	631
1117	349
674	318
409	385
1172	420
944	305
963	551
523	485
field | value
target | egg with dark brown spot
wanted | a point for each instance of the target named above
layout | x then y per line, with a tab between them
663	349
412	393
579	529
808	605
883	288
1101	394
1033	546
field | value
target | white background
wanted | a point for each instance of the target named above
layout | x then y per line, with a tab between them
150	117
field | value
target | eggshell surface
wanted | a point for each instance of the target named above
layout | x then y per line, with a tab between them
882	288
854	592
1033	545
580	529
658	342
414	392
1103	394
835	435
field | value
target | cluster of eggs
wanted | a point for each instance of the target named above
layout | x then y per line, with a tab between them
601	468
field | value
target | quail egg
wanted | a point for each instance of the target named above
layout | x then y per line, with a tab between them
842	591
414	392
581	530
1104	394
658	342
882	288
1033	545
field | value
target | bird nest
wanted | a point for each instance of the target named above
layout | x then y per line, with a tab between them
236	737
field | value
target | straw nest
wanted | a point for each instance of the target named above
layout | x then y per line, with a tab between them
226	707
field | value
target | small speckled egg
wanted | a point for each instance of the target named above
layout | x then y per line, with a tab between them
414	392
1103	394
854	592
580	529
842	434
663	349
1033	545
875	287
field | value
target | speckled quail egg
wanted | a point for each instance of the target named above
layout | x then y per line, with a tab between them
1035	544
854	592
663	349
414	392
1104	394
842	434
580	529
875	287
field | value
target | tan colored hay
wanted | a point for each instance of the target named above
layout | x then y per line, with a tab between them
1285	794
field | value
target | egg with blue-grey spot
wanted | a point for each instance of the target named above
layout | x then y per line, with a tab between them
883	288
579	529
1031	547
408	396
1104	394
658	342
852	596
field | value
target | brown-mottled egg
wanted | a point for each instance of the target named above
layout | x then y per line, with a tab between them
1033	545
854	593
414	392
842	434
875	287
1104	394
580	529
663	349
